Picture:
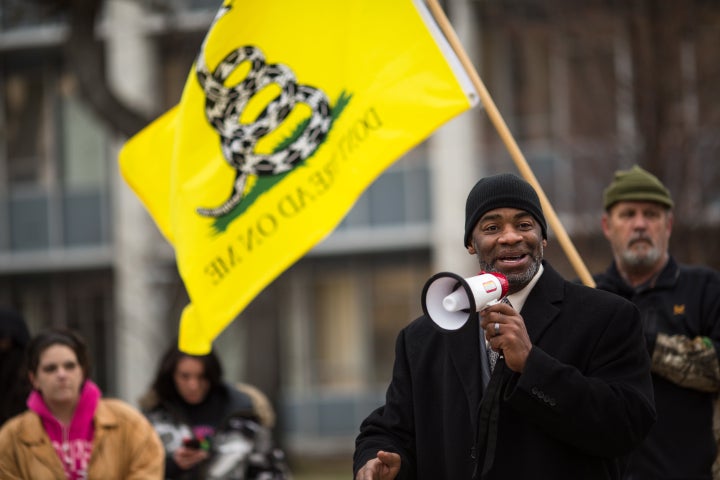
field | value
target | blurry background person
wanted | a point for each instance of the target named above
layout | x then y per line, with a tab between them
680	309
14	383
70	431
210	429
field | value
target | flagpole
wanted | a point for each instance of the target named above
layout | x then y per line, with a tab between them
511	145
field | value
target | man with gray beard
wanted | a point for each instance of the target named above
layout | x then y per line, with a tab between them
568	392
680	310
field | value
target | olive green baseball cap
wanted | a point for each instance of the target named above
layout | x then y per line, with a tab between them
636	185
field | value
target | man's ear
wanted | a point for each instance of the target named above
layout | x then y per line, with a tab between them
471	249
605	224
544	243
31	377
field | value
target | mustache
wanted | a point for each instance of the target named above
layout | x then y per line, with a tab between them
640	238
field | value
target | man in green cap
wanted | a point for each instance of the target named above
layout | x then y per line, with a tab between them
680	309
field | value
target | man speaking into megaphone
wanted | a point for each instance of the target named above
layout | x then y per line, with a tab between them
567	393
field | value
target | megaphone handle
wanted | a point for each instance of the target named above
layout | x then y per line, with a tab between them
491	303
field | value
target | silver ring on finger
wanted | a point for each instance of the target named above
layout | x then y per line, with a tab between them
496	327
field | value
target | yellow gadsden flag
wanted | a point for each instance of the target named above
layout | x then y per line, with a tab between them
291	110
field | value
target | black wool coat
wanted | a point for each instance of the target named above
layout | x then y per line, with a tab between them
582	403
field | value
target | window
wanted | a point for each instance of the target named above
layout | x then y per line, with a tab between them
360	305
54	159
21	13
401	195
24	98
84	170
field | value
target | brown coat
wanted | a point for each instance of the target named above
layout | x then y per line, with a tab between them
125	447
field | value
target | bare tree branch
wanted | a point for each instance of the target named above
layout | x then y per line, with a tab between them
85	57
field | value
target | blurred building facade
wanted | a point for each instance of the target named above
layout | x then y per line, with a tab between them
574	84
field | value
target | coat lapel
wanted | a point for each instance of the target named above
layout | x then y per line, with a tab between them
542	305
33	435
464	348
105	420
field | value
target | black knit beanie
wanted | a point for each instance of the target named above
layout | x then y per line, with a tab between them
501	191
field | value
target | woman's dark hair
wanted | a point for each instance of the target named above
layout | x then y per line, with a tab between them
164	383
13	327
14	383
57	336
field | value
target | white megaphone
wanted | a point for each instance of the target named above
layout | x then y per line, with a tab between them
450	300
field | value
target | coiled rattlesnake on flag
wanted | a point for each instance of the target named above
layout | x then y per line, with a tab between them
225	104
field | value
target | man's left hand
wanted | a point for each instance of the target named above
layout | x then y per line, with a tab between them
510	335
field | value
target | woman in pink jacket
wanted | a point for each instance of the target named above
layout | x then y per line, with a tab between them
70	431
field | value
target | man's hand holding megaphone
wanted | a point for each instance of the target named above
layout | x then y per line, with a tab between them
505	332
450	301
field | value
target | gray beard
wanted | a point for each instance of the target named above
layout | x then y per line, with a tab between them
633	260
517	281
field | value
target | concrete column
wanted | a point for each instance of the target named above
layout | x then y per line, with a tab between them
141	253
456	161
296	332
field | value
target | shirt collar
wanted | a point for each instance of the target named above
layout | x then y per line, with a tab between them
517	299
